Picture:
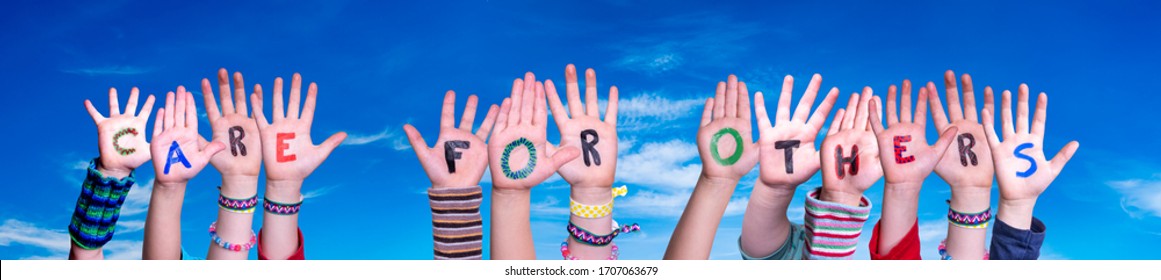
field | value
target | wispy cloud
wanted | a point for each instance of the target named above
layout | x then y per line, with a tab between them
650	110
57	242
668	205
661	164
395	138
550	206
1140	198
109	70
686	40
315	193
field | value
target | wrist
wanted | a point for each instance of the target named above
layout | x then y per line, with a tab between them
284	190
115	173
239	186
970	200
719	181
591	195
844	198
772	195
902	190
1017	213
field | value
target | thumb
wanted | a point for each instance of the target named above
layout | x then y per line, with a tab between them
331	143
211	149
945	140
563	156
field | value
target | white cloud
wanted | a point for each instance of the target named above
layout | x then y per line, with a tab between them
396	139
109	70
661	164
692	40
57	242
651	111
1140	197
325	190
930	234
668	205
137	201
550	206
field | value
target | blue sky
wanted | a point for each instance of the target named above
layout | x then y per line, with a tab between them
381	64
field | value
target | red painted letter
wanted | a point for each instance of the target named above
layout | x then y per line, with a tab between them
282	146
899	149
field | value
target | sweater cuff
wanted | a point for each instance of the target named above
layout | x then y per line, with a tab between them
1009	243
906	249
98	208
299	254
832	229
457	230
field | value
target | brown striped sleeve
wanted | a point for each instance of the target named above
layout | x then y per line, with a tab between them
457	230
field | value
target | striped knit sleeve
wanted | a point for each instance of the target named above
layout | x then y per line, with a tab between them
456	226
832	229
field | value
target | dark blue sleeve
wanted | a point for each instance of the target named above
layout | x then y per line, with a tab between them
1009	243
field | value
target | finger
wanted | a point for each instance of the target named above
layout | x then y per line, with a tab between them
905	108
572	90
944	141
836	123
864	102
783	113
744	104
1041	117
114	105
489	121
848	119
803	111
989	99
331	143
937	113
147	108
707	113
921	109
292	105
96	115
1006	114
953	108
211	104
559	114
876	123
224	90
720	97
447	114
892	118
417	143
179	107
239	94
169	110
1022	110
969	99
211	149
279	114
877	104
528	98
157	124
131	106
1061	159
611	109
760	109
990	128
592	107
517	95
502	117
563	156
256	100
469	117
191	112
540	114
819	116
731	104
308	107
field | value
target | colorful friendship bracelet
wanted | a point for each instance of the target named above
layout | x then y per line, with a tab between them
583	236
596	211
279	208
564	252
98	208
943	251
243	206
232	246
969	220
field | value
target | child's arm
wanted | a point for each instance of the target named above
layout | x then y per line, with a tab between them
179	153
122	146
290	156
591	179
907	160
520	158
967	168
1023	173
239	167
455	166
788	158
727	153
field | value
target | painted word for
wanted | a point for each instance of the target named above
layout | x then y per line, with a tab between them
900	149
853	161
789	146
281	147
589	139
122	150
451	154
965	149
737	150
236	145
1031	162
175	156
506	166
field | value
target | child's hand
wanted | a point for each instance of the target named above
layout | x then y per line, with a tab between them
966	165
459	157
179	153
850	153
903	144
584	130
724	140
287	150
233	126
519	154
788	156
1021	167
121	137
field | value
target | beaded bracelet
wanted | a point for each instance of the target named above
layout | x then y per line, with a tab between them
596	211
279	208
98	208
234	205
564	252
583	236
969	220
232	246
943	251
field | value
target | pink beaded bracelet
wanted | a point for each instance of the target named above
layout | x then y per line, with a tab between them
231	246
564	252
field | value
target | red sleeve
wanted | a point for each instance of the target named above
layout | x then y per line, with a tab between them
906	249
298	254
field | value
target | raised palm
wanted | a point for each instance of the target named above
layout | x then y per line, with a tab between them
724	139
840	177
287	149
179	153
233	126
519	154
1022	169
966	164
580	126
904	154
462	161
795	135
121	137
